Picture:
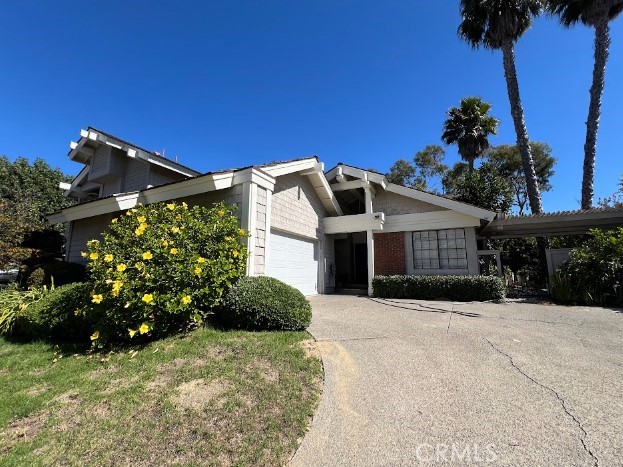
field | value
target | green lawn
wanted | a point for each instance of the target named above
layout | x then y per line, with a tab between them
207	398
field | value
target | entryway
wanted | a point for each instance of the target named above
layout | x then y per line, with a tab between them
351	263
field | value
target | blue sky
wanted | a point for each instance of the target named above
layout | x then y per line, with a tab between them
232	83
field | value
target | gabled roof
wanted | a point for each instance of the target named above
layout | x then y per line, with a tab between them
379	179
263	175
82	150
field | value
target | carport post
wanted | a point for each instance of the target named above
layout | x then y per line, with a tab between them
370	244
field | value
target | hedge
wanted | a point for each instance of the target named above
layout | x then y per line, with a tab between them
261	302
54	316
457	288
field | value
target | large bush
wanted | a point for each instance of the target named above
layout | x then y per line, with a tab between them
57	315
594	272
262	302
458	288
161	267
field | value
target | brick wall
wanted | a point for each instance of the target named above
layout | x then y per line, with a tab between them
389	254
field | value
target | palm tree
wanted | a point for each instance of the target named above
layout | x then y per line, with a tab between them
596	14
498	24
469	126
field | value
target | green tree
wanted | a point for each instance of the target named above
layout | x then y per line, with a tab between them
469	126
507	161
484	188
402	172
420	174
27	193
596	14
35	187
498	24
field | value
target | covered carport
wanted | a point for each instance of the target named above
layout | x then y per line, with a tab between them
553	224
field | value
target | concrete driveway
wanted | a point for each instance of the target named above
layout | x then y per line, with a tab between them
408	382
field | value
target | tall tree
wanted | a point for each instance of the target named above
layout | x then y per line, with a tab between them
469	126
596	14
498	24
34	186
484	188
426	167
507	161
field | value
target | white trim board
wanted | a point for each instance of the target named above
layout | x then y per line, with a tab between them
436	220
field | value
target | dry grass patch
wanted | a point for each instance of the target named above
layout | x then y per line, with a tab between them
209	398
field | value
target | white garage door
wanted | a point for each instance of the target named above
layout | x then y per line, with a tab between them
294	261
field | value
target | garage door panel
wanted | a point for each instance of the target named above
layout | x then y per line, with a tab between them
294	261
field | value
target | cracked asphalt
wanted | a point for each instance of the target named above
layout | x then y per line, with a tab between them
412	382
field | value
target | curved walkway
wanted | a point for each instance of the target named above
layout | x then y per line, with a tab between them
408	382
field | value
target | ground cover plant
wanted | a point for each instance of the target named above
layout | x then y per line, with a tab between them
207	398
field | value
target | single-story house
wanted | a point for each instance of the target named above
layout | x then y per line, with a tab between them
317	231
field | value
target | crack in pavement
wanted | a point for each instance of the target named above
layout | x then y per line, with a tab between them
547	388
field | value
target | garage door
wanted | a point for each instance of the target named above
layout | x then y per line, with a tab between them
294	261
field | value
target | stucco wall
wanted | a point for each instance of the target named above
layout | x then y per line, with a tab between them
393	204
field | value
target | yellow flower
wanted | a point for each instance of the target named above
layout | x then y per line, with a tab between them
116	288
121	267
148	298
128	213
108	258
147	255
228	239
175	229
141	219
201	260
114	221
198	270
178	217
139	231
97	299
132	332
84	254
186	300
144	328
235	253
139	265
94	256
171	206
184	205
95	336
241	232
221	213
165	243
173	251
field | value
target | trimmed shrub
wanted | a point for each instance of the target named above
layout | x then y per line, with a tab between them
161	268
458	288
593	274
54	272
56	315
262	302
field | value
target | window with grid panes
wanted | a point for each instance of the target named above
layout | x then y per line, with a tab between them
440	249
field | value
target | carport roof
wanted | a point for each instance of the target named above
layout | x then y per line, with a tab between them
556	223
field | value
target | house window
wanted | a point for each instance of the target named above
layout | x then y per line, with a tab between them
440	249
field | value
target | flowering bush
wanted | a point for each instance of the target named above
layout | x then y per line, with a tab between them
160	268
